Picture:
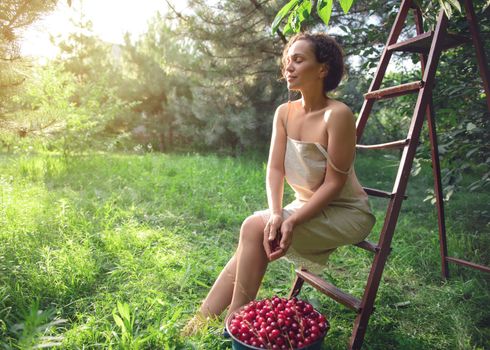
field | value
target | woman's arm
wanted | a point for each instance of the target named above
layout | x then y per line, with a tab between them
275	164
275	176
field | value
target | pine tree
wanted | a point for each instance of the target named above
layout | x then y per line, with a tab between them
238	74
15	16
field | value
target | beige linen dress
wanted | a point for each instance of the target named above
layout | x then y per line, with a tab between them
346	220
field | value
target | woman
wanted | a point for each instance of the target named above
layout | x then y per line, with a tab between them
313	148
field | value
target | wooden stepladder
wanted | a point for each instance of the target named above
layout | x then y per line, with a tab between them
430	46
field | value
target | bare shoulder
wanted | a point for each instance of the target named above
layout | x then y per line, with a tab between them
282	108
339	115
282	111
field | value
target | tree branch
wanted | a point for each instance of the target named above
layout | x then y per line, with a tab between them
259	7
180	15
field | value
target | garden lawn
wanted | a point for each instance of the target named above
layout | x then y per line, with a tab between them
115	251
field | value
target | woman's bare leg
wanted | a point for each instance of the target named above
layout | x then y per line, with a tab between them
219	297
217	300
251	262
240	279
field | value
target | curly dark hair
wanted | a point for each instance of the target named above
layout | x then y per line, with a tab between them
327	51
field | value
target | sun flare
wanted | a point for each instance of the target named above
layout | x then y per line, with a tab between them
111	19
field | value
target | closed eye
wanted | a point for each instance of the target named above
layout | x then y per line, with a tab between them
296	58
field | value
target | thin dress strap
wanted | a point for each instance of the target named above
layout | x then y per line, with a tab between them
329	161
287	117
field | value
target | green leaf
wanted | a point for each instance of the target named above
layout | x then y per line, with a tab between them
299	15
294	22
287	29
447	8
304	10
471	152
281	14
324	10
346	5
455	4
119	322
124	311
485	6
470	126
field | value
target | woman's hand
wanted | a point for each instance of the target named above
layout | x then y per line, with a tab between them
286	237
270	232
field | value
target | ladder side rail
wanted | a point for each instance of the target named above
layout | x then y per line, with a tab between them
436	168
383	64
360	324
480	52
438	190
485	76
423	98
436	165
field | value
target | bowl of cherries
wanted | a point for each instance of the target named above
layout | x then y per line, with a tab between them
277	323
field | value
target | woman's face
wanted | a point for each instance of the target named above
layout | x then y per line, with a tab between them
301	67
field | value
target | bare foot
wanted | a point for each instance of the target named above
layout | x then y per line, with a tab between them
196	324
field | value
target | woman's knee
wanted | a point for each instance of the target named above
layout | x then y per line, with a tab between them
252	229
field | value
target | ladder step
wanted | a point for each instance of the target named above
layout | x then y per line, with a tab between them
394	91
388	145
468	264
379	193
421	43
330	290
370	246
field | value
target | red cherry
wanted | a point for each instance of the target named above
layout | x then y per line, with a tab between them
244	336
250	316
234	330
308	308
280	341
274	334
289	311
314	336
263	332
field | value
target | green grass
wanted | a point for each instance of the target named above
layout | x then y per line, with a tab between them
116	251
